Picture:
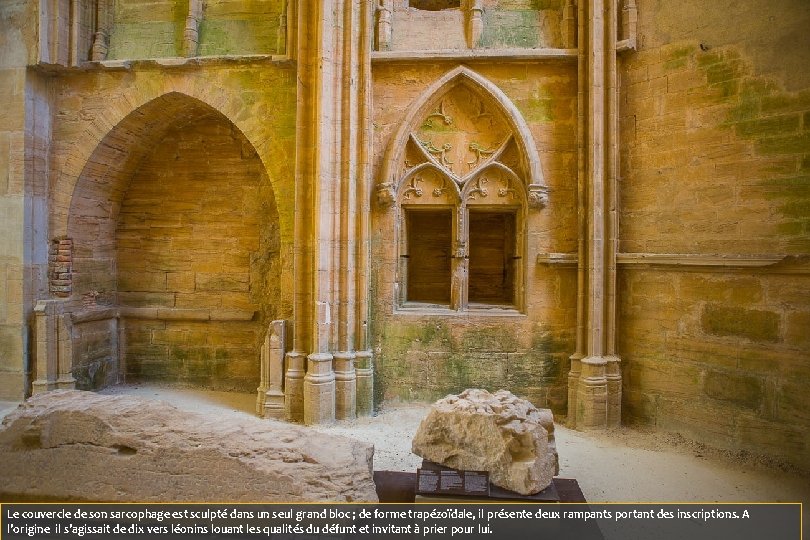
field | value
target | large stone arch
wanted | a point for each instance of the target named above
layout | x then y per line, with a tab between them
421	106
136	110
189	279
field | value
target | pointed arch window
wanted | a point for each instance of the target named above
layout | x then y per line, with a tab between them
461	175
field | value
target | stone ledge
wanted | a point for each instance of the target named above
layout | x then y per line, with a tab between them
474	54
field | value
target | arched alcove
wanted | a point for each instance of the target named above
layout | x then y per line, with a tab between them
173	223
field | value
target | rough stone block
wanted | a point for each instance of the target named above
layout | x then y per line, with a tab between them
739	388
499	433
73	445
753	324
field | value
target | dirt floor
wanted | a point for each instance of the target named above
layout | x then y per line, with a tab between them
621	466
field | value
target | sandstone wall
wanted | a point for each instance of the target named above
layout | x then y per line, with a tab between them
148	29
715	128
421	356
17	49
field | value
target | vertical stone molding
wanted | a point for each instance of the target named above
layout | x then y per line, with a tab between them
64	330
629	23
364	366
475	23
60	268
345	386
101	44
45	336
613	377
294	387
384	28
191	33
573	387
281	38
270	399
569	25
595	394
319	390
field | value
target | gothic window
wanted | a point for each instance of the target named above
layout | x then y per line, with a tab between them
460	184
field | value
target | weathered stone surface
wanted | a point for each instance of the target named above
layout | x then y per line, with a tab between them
499	433
75	445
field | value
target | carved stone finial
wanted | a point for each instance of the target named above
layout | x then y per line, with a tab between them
386	195
538	196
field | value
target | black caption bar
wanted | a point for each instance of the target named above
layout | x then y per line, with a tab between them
491	521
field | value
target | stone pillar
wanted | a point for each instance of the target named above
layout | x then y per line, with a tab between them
613	376
364	366
475	24
384	27
65	353
629	22
595	378
281	38
319	390
345	386
102	34
591	400
46	348
569	25
191	33
294	387
270	398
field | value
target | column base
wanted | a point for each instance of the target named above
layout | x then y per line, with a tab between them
345	386
319	390
294	387
596	392
364	367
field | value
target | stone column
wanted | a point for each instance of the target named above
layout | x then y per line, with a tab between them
384	25
475	23
270	398
569	25
319	390
294	387
364	366
65	353
345	386
191	33
333	52
595	376
101	45
46	348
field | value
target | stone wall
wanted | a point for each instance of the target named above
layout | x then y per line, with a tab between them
715	126
148	29
17	50
423	356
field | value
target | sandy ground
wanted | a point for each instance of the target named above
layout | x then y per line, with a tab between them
622	466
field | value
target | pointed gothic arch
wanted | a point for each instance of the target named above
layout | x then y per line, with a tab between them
461	172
